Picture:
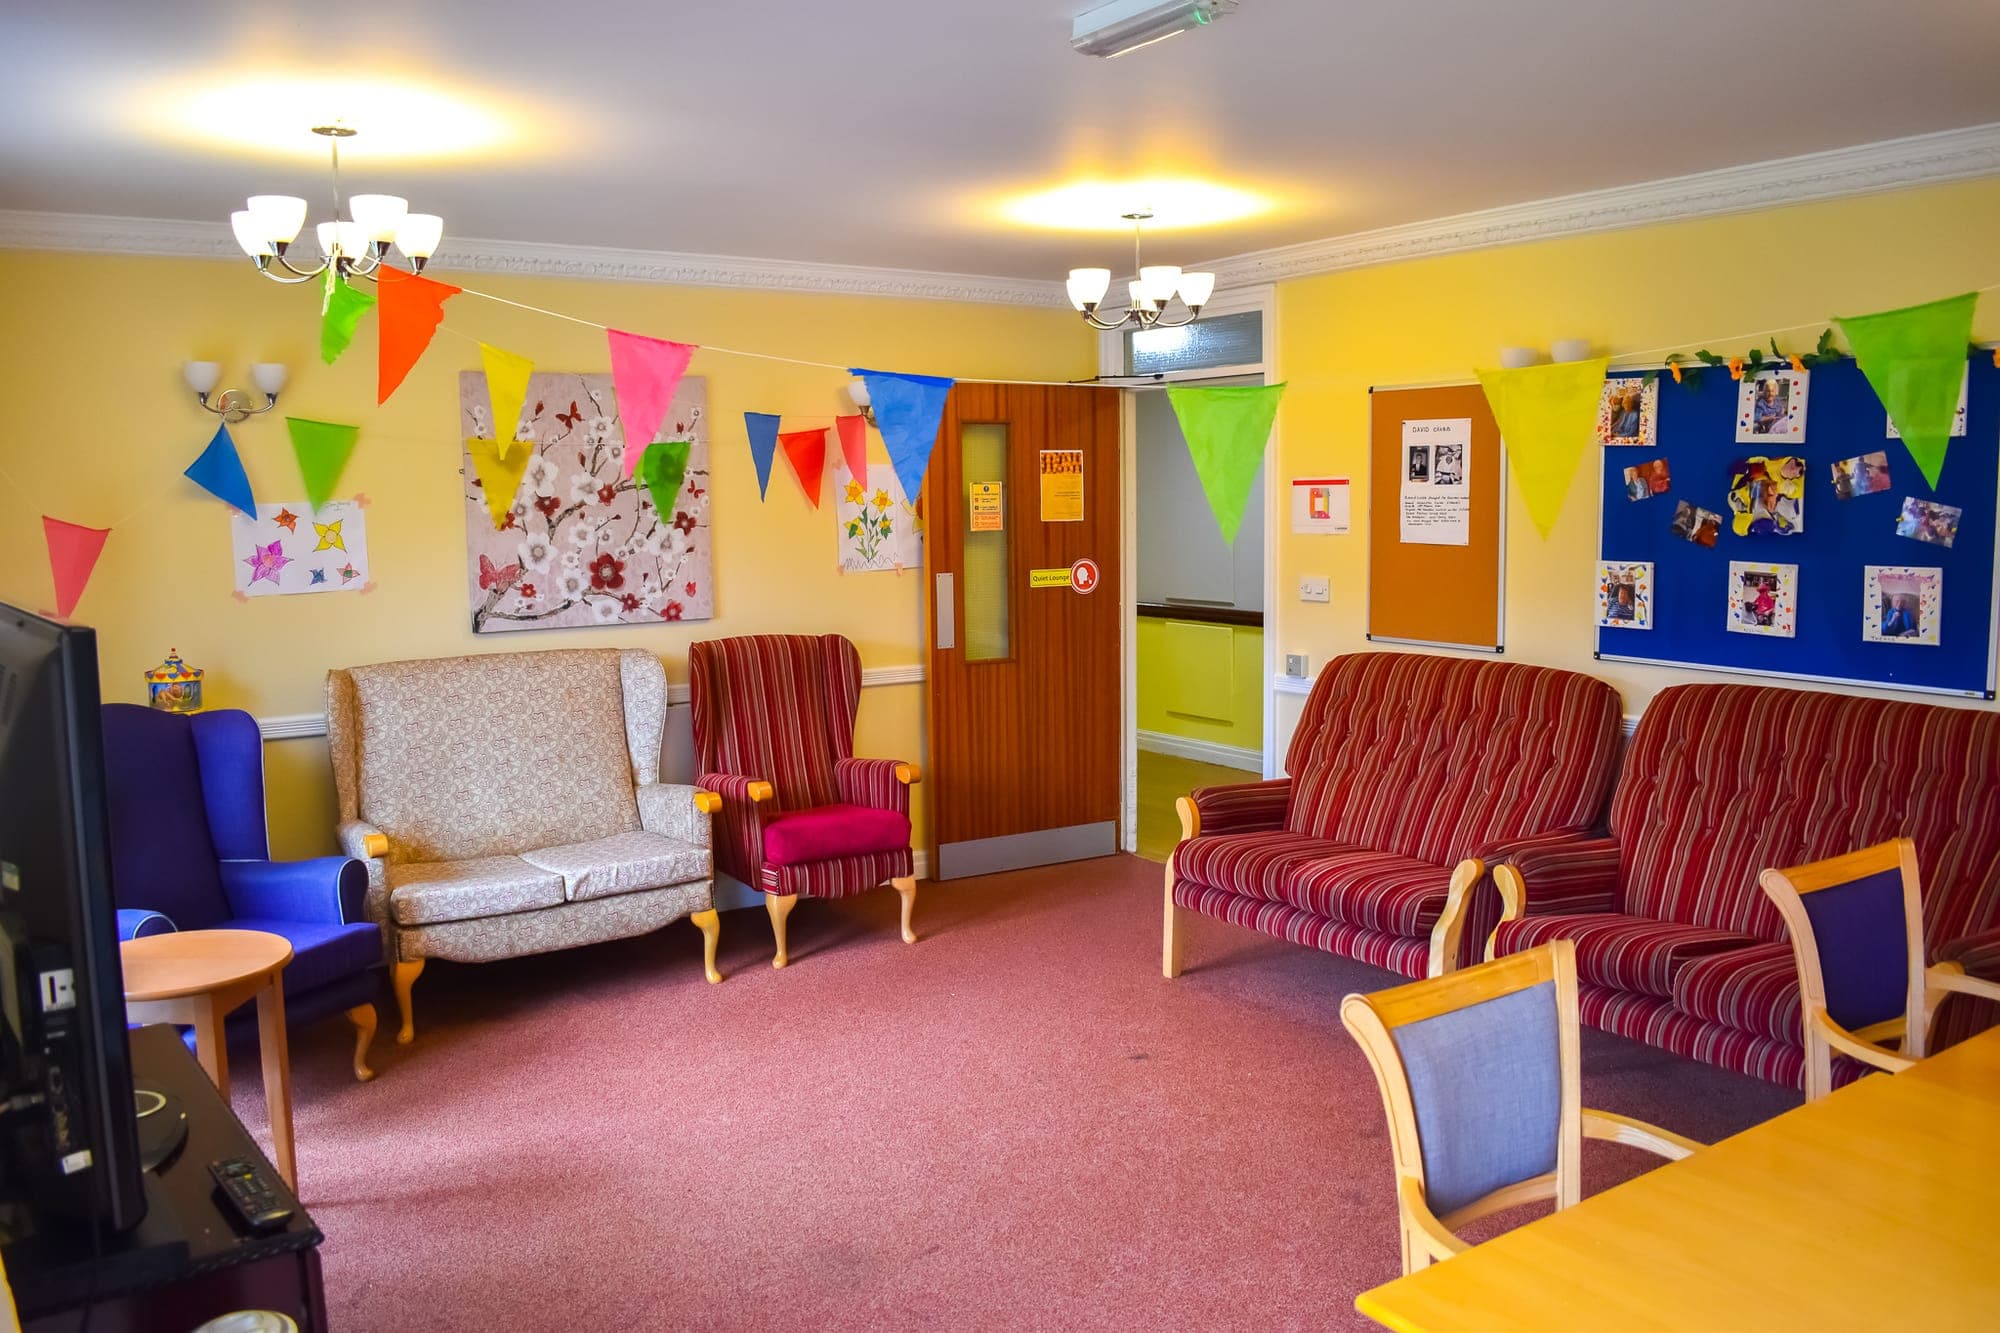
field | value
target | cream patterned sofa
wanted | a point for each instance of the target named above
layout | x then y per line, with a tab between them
510	803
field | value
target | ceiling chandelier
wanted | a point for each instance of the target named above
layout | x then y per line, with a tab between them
357	246
1147	295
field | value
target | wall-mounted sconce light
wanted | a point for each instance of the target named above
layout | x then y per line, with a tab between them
857	389
234	405
1518	358
1570	349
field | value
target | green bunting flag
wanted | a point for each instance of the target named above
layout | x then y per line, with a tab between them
322	448
1547	414
1226	429
662	469
1914	359
339	312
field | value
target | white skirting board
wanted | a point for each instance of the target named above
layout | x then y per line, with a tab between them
1207	752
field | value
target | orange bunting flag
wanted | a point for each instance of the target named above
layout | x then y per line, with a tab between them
807	450
854	445
408	314
73	552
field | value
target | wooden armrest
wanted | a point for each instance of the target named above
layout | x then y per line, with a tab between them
1430	1232
909	774
1952	977
1190	817
1450	927
1850	1045
376	845
708	802
1624	1129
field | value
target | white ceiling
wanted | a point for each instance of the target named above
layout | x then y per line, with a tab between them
891	132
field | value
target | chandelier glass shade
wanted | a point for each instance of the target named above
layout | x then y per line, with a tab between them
268	224
1147	296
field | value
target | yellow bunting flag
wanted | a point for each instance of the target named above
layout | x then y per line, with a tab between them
507	390
1547	414
499	467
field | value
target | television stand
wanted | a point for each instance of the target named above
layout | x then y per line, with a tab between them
186	1262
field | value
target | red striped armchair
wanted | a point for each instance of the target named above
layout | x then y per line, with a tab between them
1676	945
801	816
1410	775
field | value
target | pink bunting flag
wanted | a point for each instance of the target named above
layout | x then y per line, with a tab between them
854	445
644	373
73	552
807	451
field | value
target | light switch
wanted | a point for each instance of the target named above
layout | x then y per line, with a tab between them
1314	588
1295	665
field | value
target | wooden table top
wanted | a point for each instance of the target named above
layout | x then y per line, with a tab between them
193	962
1869	1209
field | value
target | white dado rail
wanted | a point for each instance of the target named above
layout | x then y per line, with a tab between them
300	726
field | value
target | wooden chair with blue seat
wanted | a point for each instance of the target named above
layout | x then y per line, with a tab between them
1478	1071
190	851
1857	930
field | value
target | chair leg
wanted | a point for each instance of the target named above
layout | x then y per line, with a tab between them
402	976
906	885
1170	934
1819	1067
363	1018
710	923
779	905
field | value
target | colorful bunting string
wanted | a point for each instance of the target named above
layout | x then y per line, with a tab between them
806	450
1226	429
340	314
499	466
219	471
853	433
73	552
644	374
762	428
506	391
411	307
322	448
1547	416
908	411
1915	360
662	469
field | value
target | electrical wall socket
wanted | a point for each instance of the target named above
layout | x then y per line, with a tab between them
1314	588
1295	665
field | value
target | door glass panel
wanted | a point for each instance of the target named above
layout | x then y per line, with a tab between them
983	462
1226	340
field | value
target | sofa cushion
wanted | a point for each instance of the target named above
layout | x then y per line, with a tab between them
1627	953
323	952
795	837
426	892
1434	758
1753	990
1252	864
621	863
1380	890
484	756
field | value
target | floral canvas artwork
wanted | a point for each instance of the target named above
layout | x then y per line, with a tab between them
582	544
879	528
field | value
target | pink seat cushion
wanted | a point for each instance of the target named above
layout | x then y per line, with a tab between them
794	837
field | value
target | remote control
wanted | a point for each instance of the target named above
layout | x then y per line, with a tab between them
252	1195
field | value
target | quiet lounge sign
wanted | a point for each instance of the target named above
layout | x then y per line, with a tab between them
1081	576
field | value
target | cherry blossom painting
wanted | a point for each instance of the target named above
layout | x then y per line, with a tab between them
583	544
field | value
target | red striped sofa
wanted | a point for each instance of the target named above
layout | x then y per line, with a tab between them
1409	774
1675	944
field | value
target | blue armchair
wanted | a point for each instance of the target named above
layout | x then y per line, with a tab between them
189	851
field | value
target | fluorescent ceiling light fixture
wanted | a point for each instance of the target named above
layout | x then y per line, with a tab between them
1101	205
1126	25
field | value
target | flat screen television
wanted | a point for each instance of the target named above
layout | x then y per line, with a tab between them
70	1146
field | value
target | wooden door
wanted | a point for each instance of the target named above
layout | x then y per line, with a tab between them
1024	661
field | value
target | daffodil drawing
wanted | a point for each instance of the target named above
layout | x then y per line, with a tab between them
879	530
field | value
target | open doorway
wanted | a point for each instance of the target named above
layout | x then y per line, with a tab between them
1198	663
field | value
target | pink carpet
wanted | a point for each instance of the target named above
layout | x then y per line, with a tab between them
1014	1123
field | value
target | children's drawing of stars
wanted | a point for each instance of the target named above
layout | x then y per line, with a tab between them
329	536
266	562
348	573
286	519
319	576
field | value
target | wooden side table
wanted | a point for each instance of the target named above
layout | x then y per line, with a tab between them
197	978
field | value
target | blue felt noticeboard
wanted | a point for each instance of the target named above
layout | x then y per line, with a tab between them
1697	437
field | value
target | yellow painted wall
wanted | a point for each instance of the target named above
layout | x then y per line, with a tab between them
1229	683
104	425
1435	319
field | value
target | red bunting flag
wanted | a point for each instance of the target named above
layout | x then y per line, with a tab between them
411	309
807	450
854	445
73	552
644	374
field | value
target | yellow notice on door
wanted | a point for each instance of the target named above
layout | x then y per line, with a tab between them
985	507
1062	485
1048	578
